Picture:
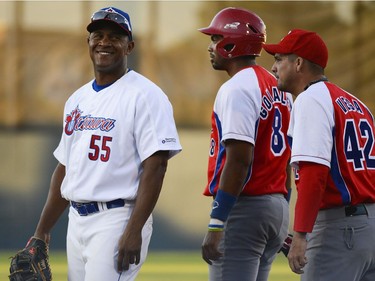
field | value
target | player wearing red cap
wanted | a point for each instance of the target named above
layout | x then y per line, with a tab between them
332	136
248	154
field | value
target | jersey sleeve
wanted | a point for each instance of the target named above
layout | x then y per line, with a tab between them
60	151
311	186
154	127
238	111
311	129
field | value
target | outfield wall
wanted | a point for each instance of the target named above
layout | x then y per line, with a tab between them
27	163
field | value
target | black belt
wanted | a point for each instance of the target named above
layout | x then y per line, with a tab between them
366	209
85	209
357	210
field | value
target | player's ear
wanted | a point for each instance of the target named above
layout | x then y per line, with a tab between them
130	47
299	63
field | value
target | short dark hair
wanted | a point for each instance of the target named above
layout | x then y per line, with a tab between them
313	67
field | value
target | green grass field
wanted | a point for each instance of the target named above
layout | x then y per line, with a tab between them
160	266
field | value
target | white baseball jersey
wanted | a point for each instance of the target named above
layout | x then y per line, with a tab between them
312	136
107	135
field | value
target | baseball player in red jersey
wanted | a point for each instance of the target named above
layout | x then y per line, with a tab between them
248	154
332	135
118	135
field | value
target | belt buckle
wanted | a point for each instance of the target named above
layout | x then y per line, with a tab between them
85	209
357	210
82	209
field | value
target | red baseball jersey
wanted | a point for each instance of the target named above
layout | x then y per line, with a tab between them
249	107
329	126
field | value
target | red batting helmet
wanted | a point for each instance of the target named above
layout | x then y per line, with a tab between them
243	32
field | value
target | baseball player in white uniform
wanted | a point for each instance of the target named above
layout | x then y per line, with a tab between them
119	133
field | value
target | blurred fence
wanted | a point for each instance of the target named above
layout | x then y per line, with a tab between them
27	164
40	68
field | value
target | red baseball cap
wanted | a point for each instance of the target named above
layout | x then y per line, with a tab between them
303	43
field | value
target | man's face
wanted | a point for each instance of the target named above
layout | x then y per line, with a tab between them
284	69
108	49
217	61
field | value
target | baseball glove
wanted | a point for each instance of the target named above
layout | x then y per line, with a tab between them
31	263
286	245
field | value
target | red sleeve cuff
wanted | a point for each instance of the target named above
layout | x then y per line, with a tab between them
311	186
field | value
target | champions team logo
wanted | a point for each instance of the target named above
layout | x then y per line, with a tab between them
76	122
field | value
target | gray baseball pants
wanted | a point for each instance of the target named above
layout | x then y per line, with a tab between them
341	248
254	233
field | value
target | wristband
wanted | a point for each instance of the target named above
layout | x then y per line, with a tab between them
213	229
222	205
215	225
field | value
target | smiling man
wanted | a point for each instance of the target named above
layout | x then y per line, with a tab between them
119	133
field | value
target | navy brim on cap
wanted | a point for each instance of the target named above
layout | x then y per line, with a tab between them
99	24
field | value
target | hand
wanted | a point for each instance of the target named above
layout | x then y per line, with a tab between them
296	257
129	250
210	246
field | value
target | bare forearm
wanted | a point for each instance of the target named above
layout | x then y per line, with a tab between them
233	178
54	206
239	155
149	189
